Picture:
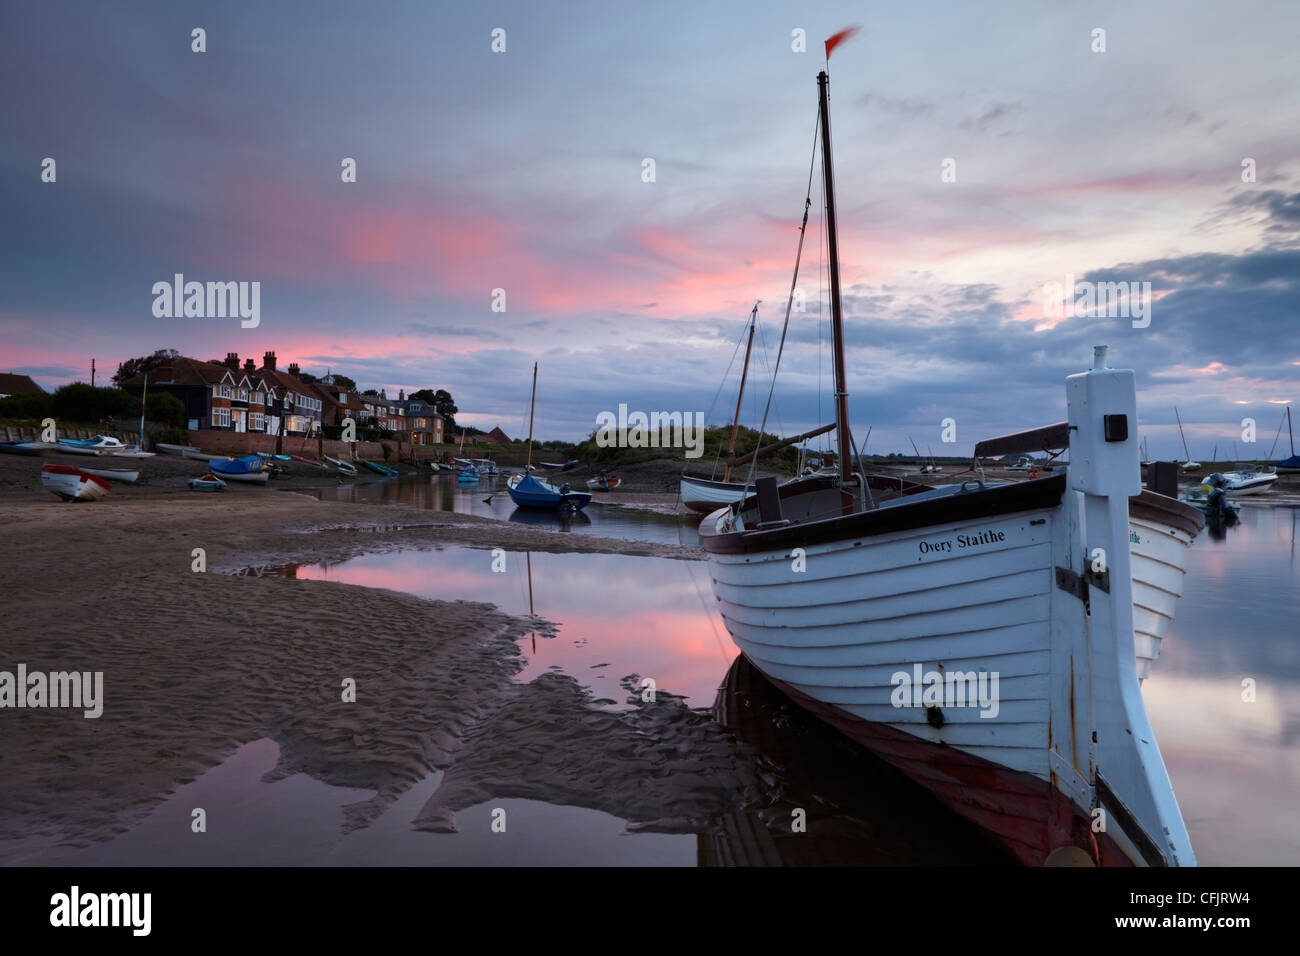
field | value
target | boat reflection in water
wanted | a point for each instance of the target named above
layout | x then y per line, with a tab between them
559	520
860	811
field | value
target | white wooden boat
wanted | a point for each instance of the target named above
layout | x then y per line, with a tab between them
72	484
980	638
196	455
705	495
124	475
248	477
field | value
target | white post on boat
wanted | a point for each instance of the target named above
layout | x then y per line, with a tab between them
1104	471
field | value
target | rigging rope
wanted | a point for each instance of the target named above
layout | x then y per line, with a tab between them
807	204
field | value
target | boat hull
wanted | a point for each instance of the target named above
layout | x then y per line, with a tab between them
248	478
1161	532
703	495
115	474
72	484
1252	487
207	483
958	586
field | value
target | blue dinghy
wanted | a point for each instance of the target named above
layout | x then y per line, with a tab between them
250	468
529	492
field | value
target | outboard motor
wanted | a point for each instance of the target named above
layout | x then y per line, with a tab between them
565	489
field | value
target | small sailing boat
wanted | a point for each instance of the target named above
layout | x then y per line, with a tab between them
527	491
1188	464
965	634
705	494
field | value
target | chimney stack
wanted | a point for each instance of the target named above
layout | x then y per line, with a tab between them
232	360
293	369
268	361
249	365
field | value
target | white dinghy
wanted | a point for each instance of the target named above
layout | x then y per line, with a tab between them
72	484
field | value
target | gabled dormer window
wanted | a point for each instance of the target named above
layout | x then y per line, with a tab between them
225	391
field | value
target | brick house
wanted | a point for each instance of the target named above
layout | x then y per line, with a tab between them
227	397
423	424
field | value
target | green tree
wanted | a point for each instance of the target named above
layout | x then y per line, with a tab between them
80	402
144	364
443	404
164	408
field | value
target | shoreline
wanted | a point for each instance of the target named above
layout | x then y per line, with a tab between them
192	669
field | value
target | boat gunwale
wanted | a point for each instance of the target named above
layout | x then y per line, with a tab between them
1161	509
1034	495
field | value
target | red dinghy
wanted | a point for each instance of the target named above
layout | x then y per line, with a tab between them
73	484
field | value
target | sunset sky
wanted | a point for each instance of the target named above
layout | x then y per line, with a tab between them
522	170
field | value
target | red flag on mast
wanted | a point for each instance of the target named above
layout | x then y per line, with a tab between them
839	38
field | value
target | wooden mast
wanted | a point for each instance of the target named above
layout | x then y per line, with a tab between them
744	372
532	403
843	444
1289	433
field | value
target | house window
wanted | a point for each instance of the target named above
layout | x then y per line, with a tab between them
257	421
221	418
243	394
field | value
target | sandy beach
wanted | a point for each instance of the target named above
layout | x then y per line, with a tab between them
196	664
